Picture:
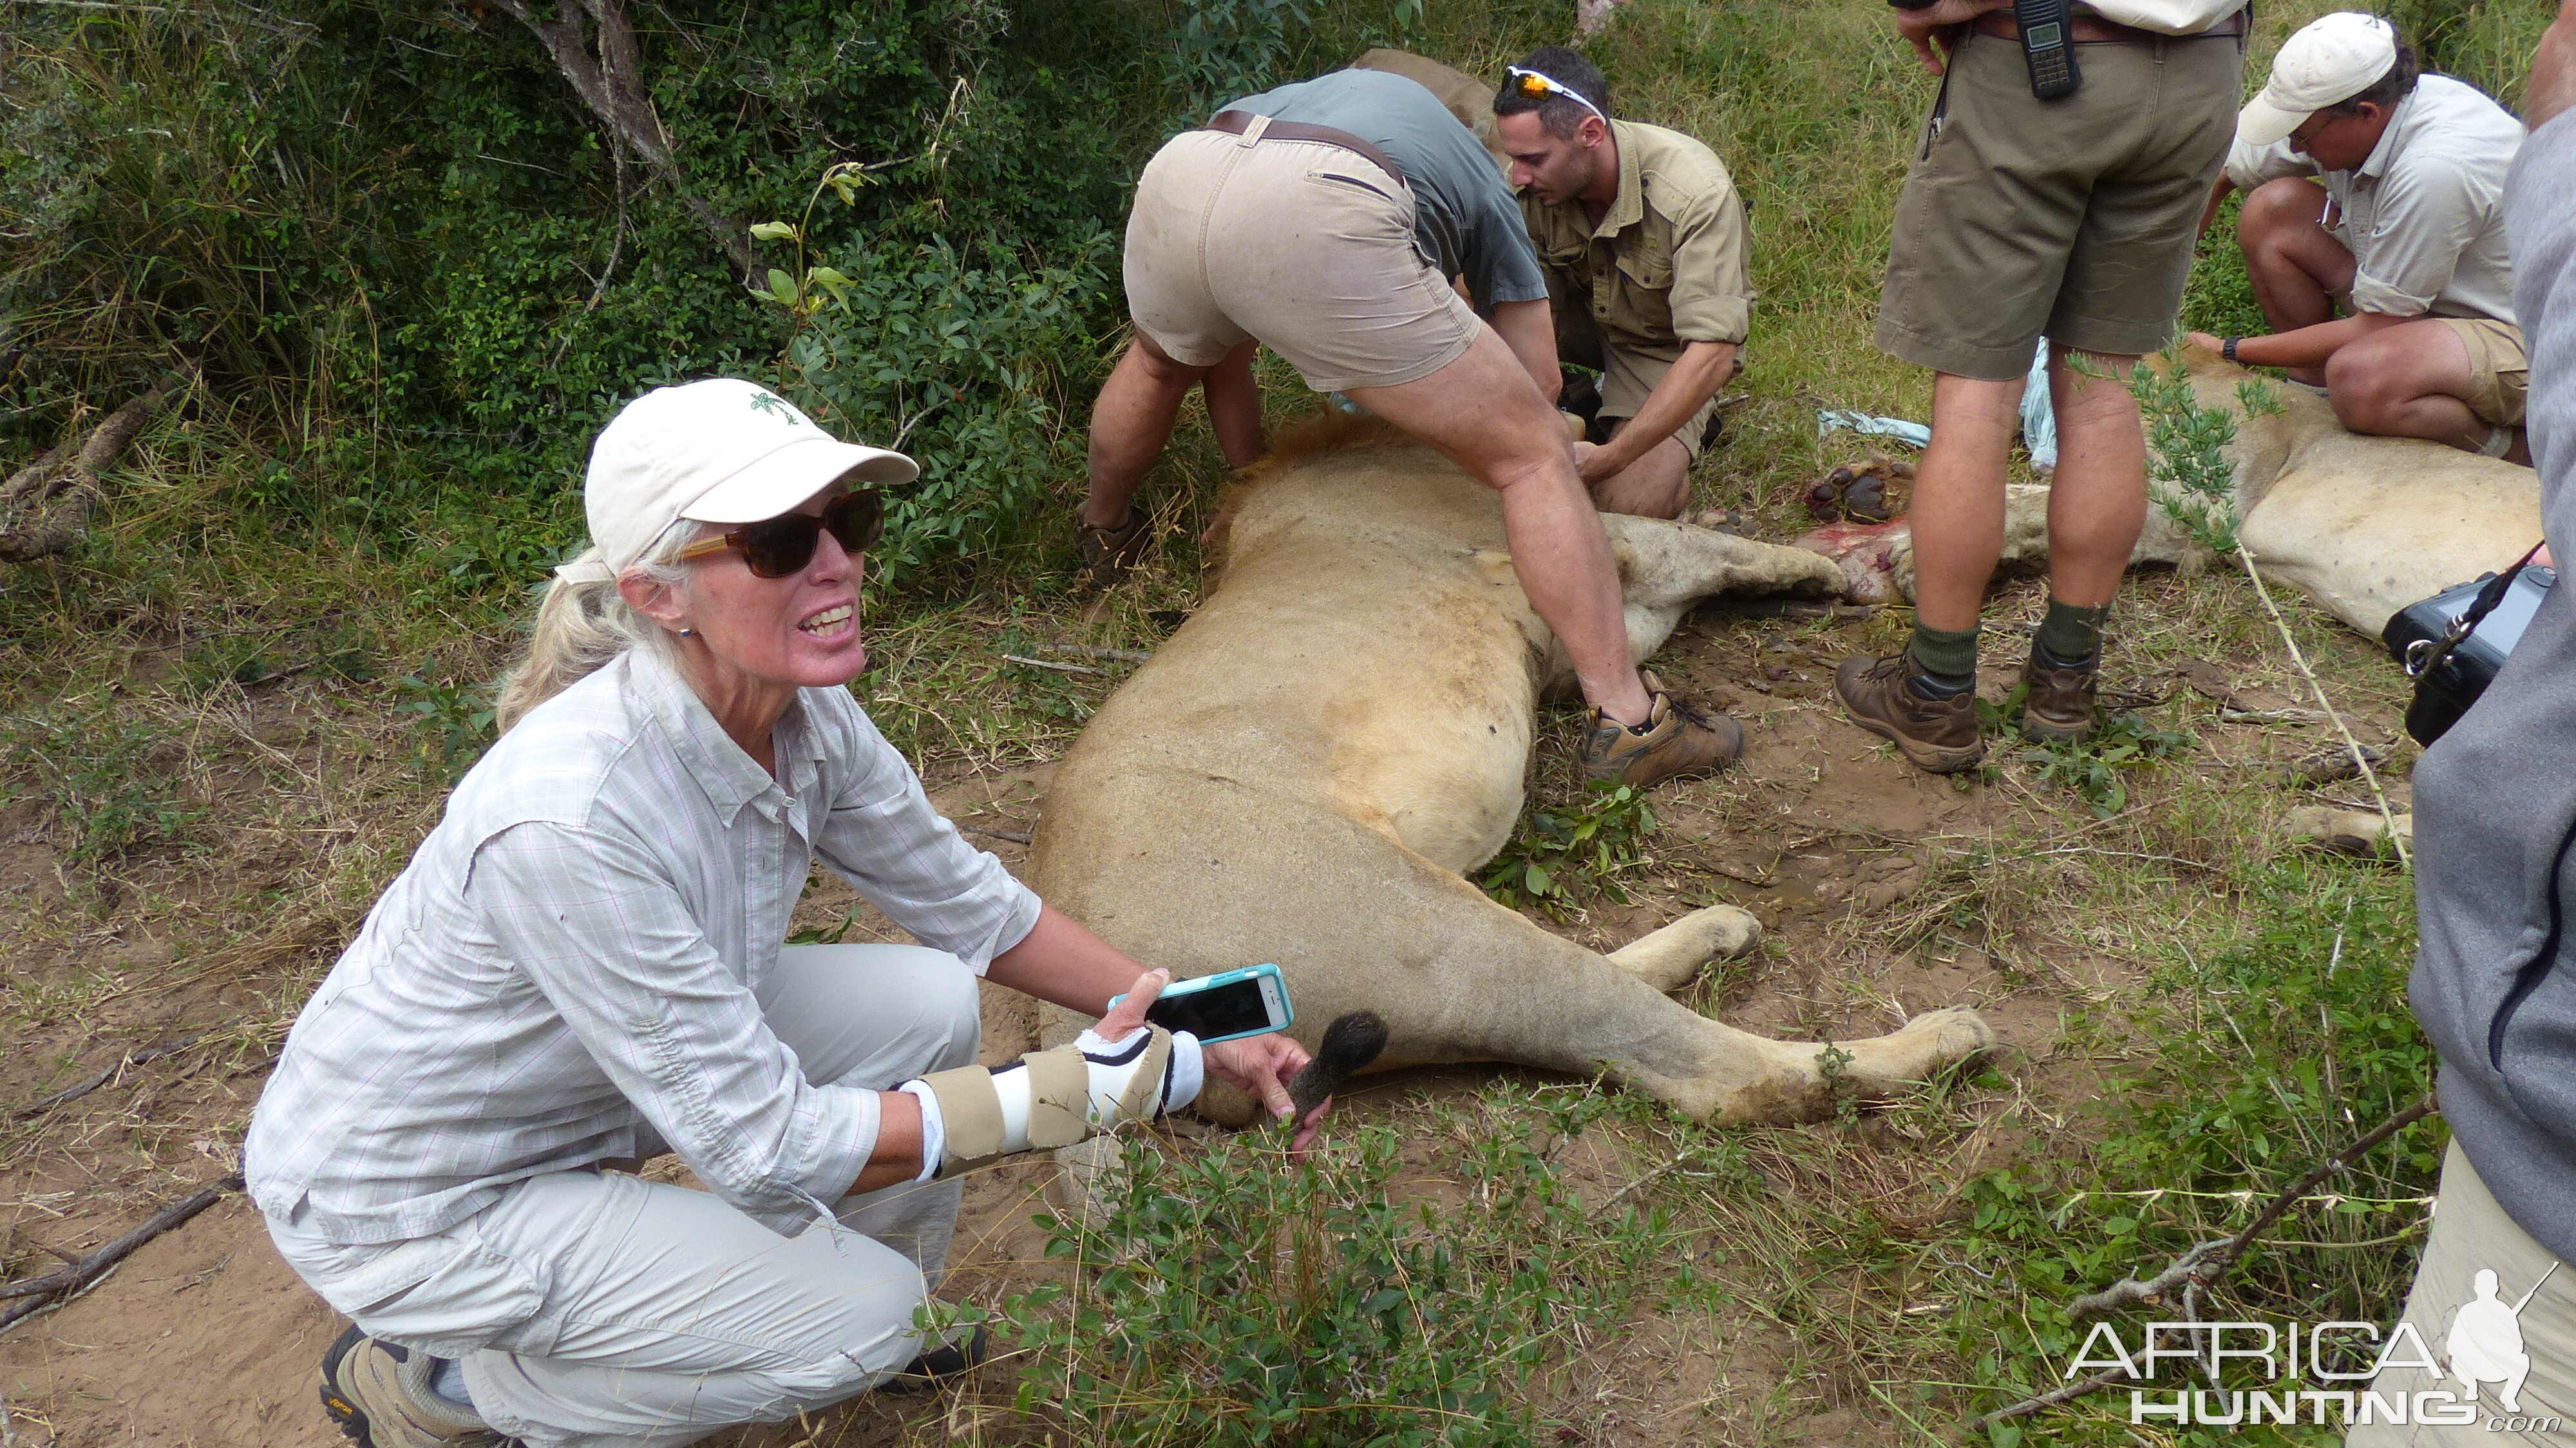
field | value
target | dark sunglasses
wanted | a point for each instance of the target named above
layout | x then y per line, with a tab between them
780	547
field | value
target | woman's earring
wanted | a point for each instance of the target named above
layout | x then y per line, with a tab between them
684	633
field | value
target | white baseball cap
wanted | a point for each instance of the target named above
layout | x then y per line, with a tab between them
719	451
2333	59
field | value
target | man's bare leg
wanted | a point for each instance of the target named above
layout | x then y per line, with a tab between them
1958	512
1486	415
1130	423
1656	485
2097	503
2408	381
2296	265
1234	406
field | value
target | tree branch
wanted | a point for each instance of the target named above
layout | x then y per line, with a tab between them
611	85
43	1291
45	506
2197	1270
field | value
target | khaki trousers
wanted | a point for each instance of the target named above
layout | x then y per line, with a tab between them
592	1308
2471	1237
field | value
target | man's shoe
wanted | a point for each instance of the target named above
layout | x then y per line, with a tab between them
379	1394
1108	553
940	1364
2058	703
1938	735
1679	738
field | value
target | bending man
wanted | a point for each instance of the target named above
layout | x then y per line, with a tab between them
2406	231
1326	219
1643	238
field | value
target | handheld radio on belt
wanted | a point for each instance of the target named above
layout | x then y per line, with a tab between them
2048	47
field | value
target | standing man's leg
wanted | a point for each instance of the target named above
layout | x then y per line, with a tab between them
1483	411
1924	698
2097	505
1129	424
2297	266
1234	406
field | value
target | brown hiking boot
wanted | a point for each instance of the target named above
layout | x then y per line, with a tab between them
1108	553
1679	738
1938	735
378	1393
2058	704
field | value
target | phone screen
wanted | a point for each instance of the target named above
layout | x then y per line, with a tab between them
1224	1010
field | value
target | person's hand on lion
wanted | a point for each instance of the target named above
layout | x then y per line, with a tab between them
1262	1065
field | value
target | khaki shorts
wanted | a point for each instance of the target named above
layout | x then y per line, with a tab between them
2499	370
1627	376
2073	218
1304	245
2471	1234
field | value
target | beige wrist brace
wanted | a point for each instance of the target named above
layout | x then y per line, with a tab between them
1046	1099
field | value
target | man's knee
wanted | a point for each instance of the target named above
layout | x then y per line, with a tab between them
2278	209
2365	387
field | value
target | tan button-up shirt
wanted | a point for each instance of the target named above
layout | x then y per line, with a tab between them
1668	263
2424	215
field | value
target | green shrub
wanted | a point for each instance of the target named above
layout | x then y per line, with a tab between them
1559	849
1230	1298
109	781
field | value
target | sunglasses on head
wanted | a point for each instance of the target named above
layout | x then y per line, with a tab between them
780	547
1532	83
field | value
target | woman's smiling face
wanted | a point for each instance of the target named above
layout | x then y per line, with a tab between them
801	631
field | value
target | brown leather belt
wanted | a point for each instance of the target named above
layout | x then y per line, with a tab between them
1235	123
2094	30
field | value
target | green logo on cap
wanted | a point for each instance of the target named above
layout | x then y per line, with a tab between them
775	405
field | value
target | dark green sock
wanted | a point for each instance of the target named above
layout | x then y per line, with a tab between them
1948	656
2071	636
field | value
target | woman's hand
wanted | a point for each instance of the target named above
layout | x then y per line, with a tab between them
2205	342
1263	1065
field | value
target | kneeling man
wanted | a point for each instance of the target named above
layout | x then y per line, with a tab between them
1643	239
2406	232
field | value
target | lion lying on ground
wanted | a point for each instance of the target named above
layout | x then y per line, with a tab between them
2364	525
1303	772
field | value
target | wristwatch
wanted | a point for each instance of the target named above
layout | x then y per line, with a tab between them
1913	4
2227	349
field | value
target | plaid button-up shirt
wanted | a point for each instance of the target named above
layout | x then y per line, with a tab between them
565	973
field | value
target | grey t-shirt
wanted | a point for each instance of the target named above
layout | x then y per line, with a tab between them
1464	216
2495	800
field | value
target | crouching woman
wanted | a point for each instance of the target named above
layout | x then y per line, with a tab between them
582	965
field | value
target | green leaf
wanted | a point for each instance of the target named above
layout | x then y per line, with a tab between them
783	288
772	231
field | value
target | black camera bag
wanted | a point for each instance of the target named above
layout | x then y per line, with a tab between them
2452	643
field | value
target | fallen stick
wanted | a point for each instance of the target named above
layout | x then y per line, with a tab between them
1044	664
131	1059
45	506
2200	1268
2352	746
43	1290
1090	651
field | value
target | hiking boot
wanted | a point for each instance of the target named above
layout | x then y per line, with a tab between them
938	1366
379	1394
1108	553
1679	738
2058	704
1936	735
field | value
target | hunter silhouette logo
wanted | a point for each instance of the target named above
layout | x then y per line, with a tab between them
2485	1344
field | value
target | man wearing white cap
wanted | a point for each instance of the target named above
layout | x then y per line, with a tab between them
582	967
2404	234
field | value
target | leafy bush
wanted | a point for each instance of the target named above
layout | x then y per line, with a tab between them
1232	1298
1559	847
2094	766
962	366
